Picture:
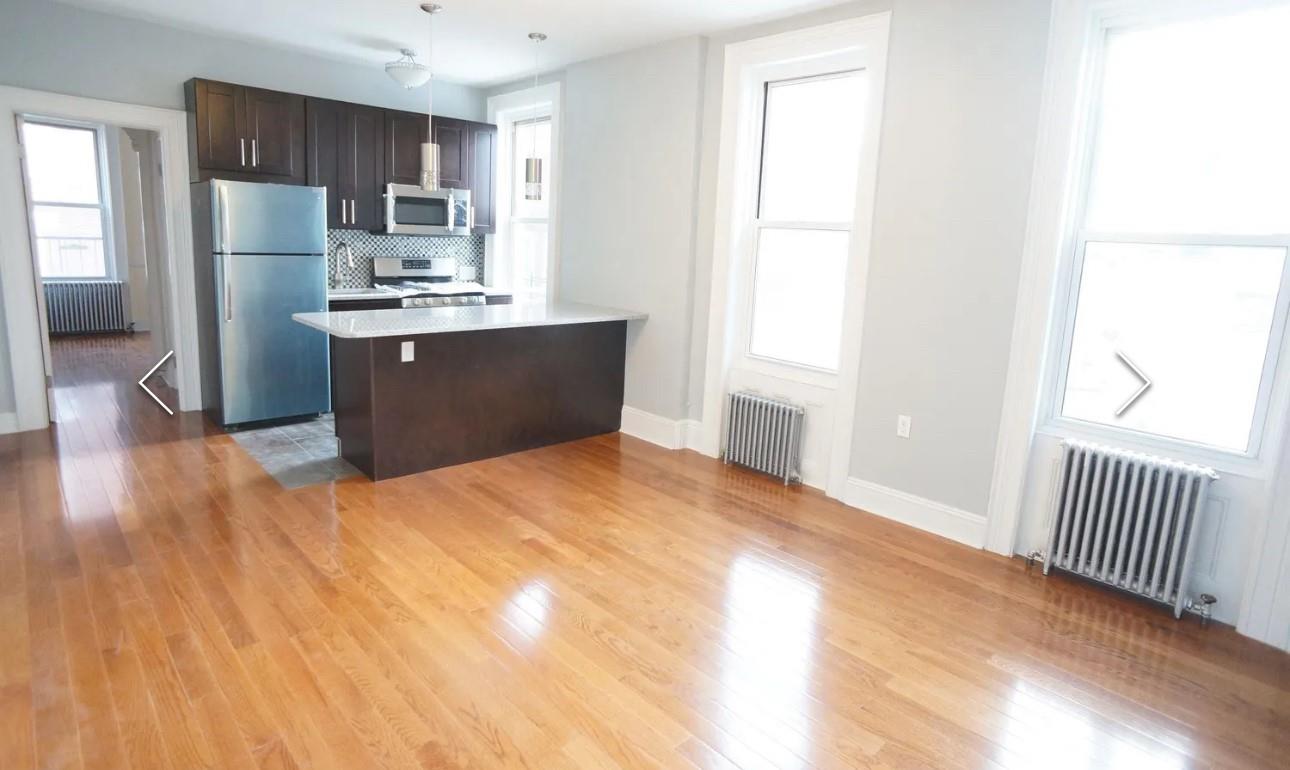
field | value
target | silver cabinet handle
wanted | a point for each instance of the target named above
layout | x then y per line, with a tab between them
241	147
343	220
353	218
255	155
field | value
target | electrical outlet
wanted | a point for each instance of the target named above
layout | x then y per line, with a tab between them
409	350
902	425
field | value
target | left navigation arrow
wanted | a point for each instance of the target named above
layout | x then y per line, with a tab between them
151	372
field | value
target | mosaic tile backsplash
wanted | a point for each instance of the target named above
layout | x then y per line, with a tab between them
467	250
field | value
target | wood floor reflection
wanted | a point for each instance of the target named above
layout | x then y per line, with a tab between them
599	604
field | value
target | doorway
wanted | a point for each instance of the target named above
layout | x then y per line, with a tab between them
96	217
796	174
159	138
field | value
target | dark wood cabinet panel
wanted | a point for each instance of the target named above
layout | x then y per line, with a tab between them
346	155
254	134
453	138
404	134
251	132
366	132
275	131
215	123
483	174
323	136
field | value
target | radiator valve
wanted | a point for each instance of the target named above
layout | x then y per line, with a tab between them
1202	606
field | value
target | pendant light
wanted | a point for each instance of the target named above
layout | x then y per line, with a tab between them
533	165
407	71
429	149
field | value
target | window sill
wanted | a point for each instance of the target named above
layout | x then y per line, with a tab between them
1226	463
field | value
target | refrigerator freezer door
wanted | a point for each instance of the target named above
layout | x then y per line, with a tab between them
271	366
255	218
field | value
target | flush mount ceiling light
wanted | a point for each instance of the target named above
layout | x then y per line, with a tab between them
406	71
533	164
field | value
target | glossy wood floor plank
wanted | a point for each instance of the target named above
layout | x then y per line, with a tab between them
599	604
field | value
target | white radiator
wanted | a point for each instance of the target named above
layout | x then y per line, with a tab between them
765	435
1128	520
79	307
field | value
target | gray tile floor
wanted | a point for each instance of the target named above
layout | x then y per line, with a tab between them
297	454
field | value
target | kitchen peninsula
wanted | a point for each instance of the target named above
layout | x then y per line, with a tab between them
422	388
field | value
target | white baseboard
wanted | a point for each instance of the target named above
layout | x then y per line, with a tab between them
8	422
918	512
669	434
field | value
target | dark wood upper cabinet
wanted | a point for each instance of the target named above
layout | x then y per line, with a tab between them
352	150
215	120
323	136
453	138
483	171
366	136
346	155
254	133
404	134
275	128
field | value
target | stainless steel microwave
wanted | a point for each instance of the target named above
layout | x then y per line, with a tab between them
410	210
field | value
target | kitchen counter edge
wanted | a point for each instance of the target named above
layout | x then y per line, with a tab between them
407	322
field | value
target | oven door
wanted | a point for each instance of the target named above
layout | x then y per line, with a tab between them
409	210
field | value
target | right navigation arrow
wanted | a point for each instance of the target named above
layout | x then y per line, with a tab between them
1146	383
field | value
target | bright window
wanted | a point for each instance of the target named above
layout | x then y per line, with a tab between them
65	187
810	151
1181	253
530	219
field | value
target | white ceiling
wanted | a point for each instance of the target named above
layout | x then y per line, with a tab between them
477	42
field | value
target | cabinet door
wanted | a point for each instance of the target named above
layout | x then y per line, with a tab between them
367	149
453	139
404	133
483	170
325	139
275	132
216	109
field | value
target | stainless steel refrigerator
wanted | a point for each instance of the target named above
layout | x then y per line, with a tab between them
261	255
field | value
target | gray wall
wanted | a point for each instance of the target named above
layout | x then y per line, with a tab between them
630	145
50	46
958	137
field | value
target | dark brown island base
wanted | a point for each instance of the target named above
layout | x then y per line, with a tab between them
417	389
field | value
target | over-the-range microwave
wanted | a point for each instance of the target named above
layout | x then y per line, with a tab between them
410	210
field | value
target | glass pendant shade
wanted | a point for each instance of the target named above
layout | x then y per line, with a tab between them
407	72
533	179
429	166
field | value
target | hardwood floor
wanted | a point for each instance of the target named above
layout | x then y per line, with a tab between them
598	604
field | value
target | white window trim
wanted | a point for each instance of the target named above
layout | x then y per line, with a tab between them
1265	603
104	205
1252	461
745	276
737	179
505	110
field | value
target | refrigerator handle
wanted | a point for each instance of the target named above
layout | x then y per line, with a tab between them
222	199
228	288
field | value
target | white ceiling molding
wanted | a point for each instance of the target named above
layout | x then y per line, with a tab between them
484	42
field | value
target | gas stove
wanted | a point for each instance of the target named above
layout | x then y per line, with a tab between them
442	294
426	282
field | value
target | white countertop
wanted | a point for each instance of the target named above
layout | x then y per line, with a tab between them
438	320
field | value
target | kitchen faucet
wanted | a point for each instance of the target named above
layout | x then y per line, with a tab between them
349	256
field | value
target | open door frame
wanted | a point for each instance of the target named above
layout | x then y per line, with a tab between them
23	302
